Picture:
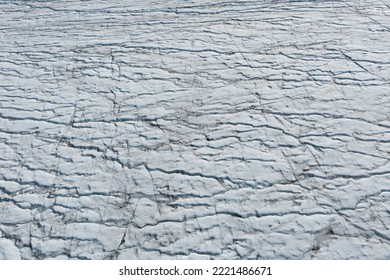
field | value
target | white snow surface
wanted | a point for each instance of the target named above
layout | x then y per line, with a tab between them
195	129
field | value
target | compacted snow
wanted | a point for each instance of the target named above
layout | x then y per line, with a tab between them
195	129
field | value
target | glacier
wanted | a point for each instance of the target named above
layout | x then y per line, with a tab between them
194	129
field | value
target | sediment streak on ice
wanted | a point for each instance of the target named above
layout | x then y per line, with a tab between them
194	129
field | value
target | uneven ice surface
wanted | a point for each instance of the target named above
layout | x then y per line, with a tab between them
195	129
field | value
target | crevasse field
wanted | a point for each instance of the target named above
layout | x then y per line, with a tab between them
195	129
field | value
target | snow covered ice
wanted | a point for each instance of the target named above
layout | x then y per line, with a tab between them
195	129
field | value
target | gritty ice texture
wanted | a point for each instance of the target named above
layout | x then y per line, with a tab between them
195	129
